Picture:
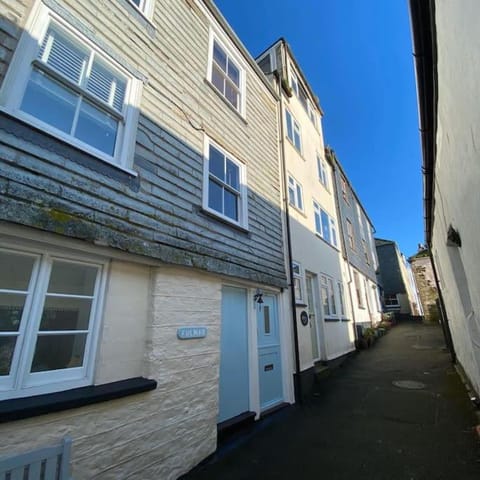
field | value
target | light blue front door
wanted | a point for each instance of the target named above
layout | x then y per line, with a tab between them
234	382
269	358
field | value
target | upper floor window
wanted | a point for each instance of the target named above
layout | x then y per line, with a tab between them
298	280
344	187
295	195
322	171
325	225
365	252
145	6
293	131
294	81
66	86
225	192
226	74
350	235
49	318
391	300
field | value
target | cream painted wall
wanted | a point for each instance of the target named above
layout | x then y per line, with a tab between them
457	175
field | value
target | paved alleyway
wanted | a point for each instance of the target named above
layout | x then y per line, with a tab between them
360	426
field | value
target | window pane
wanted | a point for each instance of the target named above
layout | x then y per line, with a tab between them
296	140
106	85
233	173
60	313
324	293
63	55
289	126
233	73
215	196
325	226
49	101
231	205
318	226
11	311
218	79
266	318
55	352
332	296
231	94
72	278
97	128
15	271
299	197
219	56
7	347
216	163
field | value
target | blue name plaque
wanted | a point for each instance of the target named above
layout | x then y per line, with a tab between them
186	333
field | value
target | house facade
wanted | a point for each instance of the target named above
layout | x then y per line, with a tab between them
399	290
322	310
360	255
446	41
141	235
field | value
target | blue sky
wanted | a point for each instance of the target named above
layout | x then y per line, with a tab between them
357	56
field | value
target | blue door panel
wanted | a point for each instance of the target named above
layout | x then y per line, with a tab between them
234	381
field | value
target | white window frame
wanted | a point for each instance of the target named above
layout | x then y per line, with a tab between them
145	7
323	172
341	297
243	192
389	301
344	186
332	229
365	252
350	235
298	282
359	290
21	382
18	74
327	292
292	124
234	57
294	81
295	200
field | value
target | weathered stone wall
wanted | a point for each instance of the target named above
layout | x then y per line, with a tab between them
426	287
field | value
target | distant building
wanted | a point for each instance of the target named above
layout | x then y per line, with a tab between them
358	249
399	291
446	49
426	286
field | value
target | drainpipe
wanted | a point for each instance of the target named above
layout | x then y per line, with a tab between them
297	382
342	239
443	313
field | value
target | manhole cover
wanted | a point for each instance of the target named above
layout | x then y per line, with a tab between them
422	347
409	384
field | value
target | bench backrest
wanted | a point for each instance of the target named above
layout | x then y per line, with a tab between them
49	463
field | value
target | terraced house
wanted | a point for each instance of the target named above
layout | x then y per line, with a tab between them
141	243
322	310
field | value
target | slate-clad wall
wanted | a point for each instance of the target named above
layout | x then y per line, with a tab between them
48	185
388	259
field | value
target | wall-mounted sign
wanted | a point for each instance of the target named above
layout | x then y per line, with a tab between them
186	333
304	318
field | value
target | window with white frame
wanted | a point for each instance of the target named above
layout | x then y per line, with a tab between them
391	300
293	131
145	6
358	289
312	114
350	235
365	252
49	316
295	195
64	84
343	184
325	225
226	74
322	171
225	192
297	282
328	296
293	81
341	297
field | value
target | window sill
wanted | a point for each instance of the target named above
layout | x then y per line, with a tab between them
220	219
328	243
19	408
141	17
296	149
226	102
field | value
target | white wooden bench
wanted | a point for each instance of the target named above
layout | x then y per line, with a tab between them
49	463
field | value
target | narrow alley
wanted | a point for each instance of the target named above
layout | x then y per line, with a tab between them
362	424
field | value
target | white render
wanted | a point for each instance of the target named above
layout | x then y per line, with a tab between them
457	176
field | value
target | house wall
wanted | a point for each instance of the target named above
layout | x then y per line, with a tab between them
159	212
426	286
457	174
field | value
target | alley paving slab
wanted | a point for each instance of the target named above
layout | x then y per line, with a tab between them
365	422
